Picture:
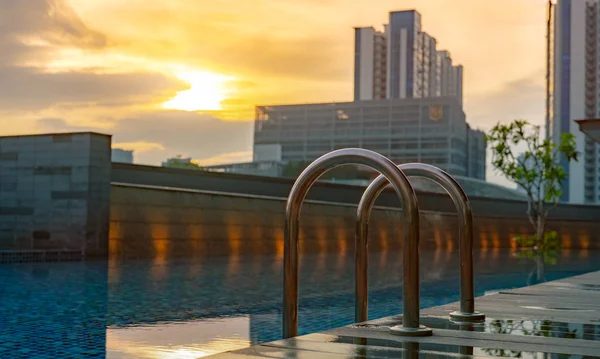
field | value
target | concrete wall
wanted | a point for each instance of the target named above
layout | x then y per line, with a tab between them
54	192
330	192
163	223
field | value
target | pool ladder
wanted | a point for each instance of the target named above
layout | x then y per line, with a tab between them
396	177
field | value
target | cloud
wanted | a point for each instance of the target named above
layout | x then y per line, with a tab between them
245	38
522	98
51	20
101	64
33	31
139	146
313	40
191	134
31	89
47	23
233	157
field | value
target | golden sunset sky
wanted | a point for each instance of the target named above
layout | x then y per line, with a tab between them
136	68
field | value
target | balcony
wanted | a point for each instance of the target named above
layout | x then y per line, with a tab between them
591	127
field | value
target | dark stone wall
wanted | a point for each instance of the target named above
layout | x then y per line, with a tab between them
54	193
163	223
280	187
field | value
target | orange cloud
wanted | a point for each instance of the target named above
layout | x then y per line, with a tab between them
233	157
140	146
101	63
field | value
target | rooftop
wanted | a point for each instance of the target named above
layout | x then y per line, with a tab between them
591	128
58	134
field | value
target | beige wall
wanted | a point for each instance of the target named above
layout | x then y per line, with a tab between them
165	223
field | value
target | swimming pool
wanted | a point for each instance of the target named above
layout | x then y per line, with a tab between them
189	308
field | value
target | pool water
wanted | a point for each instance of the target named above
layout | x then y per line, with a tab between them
190	308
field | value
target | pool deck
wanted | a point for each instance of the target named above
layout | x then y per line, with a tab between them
558	319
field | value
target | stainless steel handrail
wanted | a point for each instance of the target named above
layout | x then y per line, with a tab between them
401	185
467	311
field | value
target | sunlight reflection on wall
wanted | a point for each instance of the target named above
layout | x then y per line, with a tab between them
195	234
278	242
383	239
214	225
449	242
584	241
321	231
483	242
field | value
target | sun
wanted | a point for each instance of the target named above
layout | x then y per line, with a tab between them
206	92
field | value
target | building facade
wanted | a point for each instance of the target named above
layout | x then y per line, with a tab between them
54	195
369	64
476	154
429	130
576	96
259	168
122	156
402	62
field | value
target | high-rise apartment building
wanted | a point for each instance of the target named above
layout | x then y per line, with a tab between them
404	54
403	62
369	64
576	92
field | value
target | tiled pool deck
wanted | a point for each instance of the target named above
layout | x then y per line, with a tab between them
559	319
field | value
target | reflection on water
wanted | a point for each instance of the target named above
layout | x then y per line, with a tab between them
545	328
193	339
179	308
397	349
519	327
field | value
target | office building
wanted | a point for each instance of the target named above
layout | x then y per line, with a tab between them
429	130
122	156
576	95
402	62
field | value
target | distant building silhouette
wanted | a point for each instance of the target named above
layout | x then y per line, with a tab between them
122	156
402	62
180	162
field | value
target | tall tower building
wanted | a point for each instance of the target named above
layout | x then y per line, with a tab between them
576	93
403	36
432	66
402	62
369	64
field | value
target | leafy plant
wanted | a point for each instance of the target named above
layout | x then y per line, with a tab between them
548	247
539	172
180	162
538	328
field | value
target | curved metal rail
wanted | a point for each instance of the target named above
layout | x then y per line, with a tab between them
411	324
467	311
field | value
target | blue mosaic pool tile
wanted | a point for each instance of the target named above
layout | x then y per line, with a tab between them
63	310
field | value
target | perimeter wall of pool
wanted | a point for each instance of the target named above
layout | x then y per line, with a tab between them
159	222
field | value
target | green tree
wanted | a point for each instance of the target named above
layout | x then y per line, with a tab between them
539	172
180	162
538	328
